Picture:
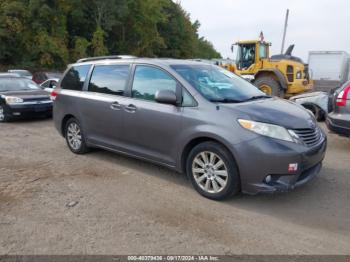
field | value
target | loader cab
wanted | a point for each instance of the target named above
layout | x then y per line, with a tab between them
249	54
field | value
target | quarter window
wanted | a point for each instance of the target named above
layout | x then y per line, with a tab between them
187	99
109	79
148	80
75	78
46	84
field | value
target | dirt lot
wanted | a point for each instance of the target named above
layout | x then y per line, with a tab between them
54	202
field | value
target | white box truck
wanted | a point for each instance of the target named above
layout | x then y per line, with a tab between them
328	69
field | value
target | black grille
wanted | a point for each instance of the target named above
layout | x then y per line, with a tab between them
309	136
36	99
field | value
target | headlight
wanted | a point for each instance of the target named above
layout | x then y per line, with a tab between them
13	100
298	75
269	130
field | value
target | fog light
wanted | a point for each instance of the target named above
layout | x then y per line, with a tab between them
268	179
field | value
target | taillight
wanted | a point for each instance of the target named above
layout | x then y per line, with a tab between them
343	96
53	95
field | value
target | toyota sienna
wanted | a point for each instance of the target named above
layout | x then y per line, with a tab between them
195	118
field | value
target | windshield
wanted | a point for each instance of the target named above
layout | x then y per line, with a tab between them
17	84
217	84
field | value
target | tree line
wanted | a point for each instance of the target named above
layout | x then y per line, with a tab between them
52	33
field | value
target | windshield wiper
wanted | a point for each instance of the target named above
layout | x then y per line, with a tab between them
225	100
257	98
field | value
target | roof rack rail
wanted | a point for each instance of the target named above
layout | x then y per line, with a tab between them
96	58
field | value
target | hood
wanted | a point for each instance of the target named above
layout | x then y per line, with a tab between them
27	94
310	94
274	111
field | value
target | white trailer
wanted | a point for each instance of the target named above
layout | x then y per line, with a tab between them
328	69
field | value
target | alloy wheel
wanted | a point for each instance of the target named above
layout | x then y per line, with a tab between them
210	172
74	136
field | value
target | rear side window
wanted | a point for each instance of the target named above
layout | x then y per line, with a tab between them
75	78
109	79
148	80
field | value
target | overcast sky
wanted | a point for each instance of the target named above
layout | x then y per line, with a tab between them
313	24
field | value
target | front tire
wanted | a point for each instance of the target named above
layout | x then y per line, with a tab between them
75	137
213	171
269	86
3	117
317	111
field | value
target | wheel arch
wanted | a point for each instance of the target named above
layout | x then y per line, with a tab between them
275	74
318	112
64	122
198	140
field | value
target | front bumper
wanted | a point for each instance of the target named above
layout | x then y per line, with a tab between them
29	109
338	124
265	157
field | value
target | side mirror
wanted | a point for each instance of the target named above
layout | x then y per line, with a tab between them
166	97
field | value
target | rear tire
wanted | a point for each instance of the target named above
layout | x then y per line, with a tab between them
269	86
213	171
75	137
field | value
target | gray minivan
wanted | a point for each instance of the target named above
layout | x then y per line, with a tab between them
196	118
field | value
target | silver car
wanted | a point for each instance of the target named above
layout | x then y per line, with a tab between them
50	84
22	73
195	118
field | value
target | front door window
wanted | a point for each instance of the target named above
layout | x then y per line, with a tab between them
148	80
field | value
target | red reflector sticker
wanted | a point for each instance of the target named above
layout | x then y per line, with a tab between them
293	167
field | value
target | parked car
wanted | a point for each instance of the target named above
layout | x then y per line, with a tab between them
316	102
9	75
40	77
50	84
193	117
21	97
338	120
21	72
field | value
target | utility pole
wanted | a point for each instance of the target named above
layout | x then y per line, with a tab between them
285	31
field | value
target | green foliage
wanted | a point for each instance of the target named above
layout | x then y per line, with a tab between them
80	48
97	42
205	49
52	33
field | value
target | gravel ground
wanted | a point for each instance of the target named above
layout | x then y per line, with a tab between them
55	202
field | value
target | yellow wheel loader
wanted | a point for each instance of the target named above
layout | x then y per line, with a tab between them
279	75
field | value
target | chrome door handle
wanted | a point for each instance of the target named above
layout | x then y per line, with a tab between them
116	106
130	108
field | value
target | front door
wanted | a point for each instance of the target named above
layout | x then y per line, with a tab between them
150	128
